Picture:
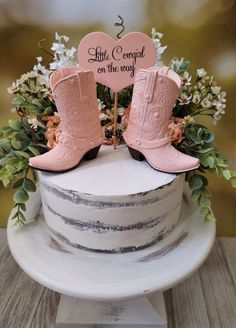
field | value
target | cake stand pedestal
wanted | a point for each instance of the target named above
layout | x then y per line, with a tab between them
111	290
140	312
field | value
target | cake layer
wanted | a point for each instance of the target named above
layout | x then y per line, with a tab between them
111	204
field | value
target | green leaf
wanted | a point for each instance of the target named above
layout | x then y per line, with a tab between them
227	174
233	182
18	183
210	161
196	194
16	144
15	124
13	161
195	182
18	100
210	217
29	185
6	145
205	211
204	201
205	150
34	174
209	137
20	136
23	206
23	154
48	111
3	161
20	196
34	150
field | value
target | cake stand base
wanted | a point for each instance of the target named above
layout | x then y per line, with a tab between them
140	312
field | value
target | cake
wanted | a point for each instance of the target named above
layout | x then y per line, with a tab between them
111	204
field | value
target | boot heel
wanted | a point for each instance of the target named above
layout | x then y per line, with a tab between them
92	153
135	154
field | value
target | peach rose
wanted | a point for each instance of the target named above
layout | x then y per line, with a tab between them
175	132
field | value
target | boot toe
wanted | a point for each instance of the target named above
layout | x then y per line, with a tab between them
168	159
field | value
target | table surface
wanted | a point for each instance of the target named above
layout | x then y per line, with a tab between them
206	299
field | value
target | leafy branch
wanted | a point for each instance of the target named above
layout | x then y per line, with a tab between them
198	142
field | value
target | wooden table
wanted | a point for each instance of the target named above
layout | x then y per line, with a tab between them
207	299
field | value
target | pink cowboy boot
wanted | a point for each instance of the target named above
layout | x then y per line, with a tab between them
154	96
74	91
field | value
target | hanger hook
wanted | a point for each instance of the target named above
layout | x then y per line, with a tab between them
121	24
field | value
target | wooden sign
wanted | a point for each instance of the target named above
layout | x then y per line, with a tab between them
115	63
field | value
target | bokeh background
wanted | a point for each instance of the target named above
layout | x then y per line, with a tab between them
202	31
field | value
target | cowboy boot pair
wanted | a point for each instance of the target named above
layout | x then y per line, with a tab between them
154	96
74	92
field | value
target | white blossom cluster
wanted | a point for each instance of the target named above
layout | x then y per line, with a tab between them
203	95
62	56
156	38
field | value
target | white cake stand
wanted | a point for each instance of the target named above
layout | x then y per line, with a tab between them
111	290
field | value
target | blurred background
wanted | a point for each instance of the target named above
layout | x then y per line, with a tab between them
202	31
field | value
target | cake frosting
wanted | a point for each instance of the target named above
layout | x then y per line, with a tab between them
112	204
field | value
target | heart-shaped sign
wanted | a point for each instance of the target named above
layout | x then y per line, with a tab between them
115	63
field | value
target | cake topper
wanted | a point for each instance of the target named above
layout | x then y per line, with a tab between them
115	62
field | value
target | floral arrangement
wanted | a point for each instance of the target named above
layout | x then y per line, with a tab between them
37	128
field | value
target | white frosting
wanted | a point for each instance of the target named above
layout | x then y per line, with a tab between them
112	203
113	172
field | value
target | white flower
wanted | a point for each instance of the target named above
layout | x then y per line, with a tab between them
186	78
62	56
34	123
184	98
39	59
156	36
58	47
196	97
188	120
201	72
207	101
70	52
54	65
215	90
221	96
100	104
103	116
121	111
60	37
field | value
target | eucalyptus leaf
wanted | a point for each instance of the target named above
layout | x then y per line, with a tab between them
210	161
195	182
13	161
29	185
16	144
23	154
204	201
20	196
34	150
15	124
226	174
205	211
18	183
209	137
23	206
210	217
196	194
18	100
233	182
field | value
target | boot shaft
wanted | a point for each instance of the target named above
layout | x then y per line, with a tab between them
154	96
76	102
